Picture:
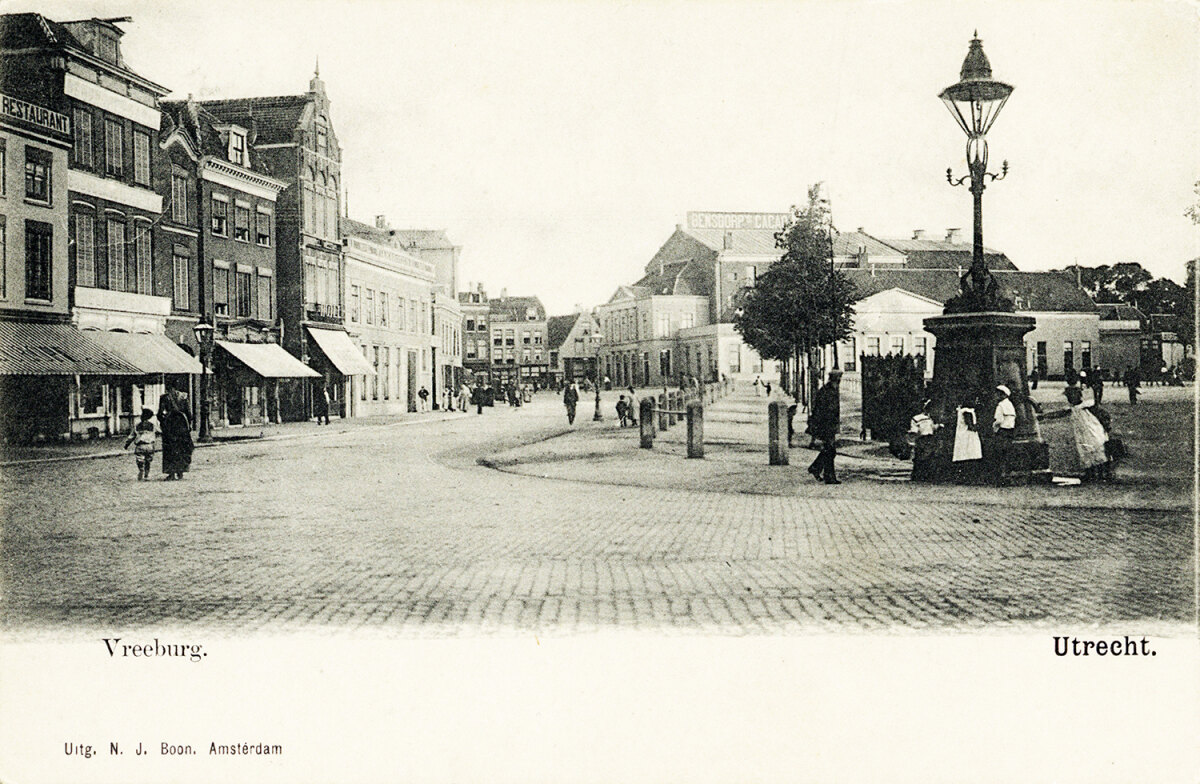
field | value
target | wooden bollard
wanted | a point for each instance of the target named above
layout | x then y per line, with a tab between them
777	432
646	421
695	422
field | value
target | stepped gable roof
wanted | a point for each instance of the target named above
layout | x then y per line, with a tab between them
515	308
272	120
1030	291
425	239
558	328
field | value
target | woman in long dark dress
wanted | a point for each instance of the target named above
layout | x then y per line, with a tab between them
176	434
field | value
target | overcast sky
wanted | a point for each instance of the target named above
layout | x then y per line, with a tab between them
559	143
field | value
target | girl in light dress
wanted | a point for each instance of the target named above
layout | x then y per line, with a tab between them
1090	436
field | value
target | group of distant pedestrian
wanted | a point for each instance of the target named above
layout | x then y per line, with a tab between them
174	429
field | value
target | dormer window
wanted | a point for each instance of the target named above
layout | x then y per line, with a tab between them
106	45
237	147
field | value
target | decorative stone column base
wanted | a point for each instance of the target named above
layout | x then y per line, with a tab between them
974	353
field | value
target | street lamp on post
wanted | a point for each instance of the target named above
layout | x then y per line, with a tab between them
596	338
204	337
979	339
975	102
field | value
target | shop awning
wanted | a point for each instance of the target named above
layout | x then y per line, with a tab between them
30	348
341	352
268	360
151	353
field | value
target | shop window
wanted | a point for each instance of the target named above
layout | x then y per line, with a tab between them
91	396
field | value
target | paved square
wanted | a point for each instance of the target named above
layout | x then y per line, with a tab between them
399	527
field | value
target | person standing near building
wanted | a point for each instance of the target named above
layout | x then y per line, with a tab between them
1133	380
824	423
176	430
757	386
423	396
464	397
322	405
1034	375
634	411
142	436
1089	434
1096	382
1004	426
571	400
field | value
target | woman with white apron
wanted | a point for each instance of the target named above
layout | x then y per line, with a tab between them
966	437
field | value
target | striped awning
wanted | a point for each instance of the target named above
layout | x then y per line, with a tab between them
344	355
151	353
268	360
30	348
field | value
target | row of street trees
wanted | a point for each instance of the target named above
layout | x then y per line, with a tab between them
800	303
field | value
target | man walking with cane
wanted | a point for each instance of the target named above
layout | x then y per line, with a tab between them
824	423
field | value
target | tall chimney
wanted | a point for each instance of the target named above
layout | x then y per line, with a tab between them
381	222
503	293
952	235
728	242
918	234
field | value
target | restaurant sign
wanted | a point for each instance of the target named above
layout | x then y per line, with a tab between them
737	220
15	108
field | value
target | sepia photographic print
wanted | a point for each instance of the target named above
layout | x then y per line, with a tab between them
598	391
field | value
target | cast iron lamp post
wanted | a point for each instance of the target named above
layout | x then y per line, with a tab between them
596	338
979	339
975	102
204	337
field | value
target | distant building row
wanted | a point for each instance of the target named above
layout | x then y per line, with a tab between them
126	220
677	320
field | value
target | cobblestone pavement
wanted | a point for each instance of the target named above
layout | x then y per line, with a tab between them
400	529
